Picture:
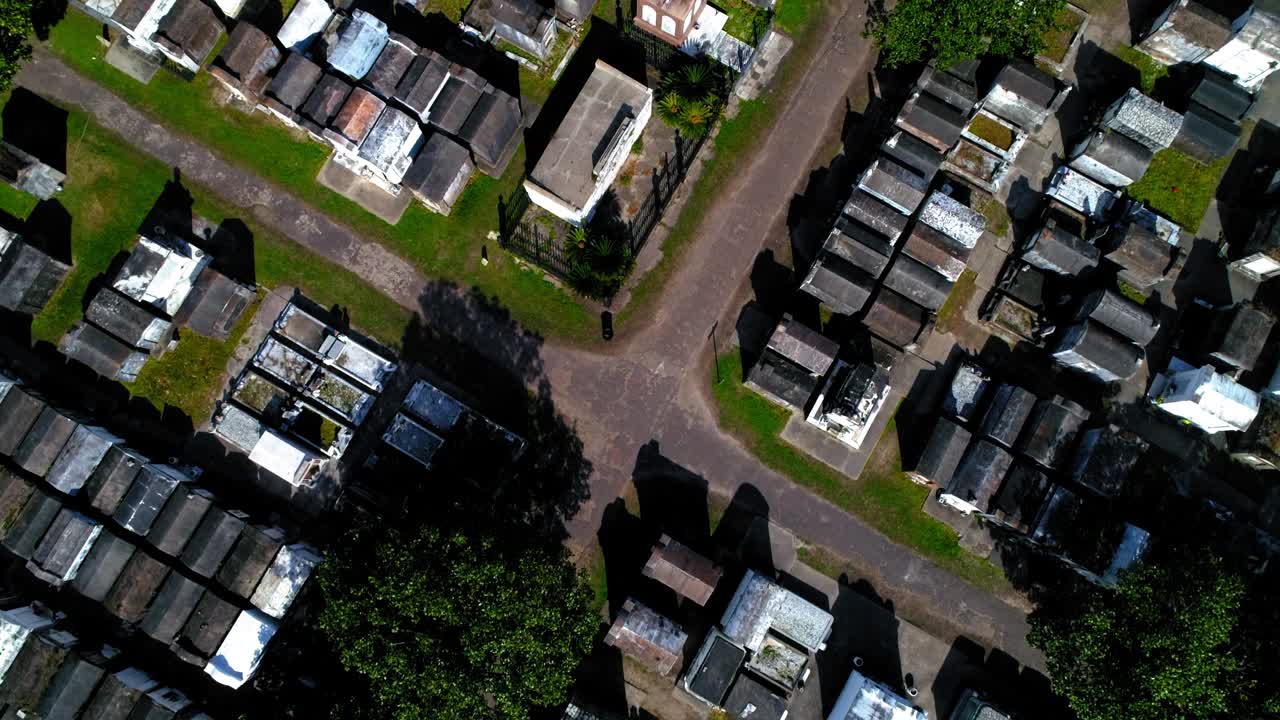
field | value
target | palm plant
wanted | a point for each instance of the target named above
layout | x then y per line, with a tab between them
689	102
670	108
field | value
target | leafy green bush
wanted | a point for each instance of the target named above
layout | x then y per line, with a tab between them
599	262
690	100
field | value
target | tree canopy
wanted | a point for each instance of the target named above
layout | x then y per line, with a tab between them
16	28
450	626
1171	641
955	30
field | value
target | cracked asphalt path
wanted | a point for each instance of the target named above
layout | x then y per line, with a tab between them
653	386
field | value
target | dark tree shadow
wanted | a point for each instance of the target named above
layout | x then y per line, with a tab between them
232	247
672	497
866	628
49	228
45	14
36	126
1101	78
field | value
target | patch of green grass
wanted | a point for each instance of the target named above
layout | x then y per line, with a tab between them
447	248
109	193
597	576
1149	70
986	127
746	21
452	9
995	212
824	315
1178	187
14	201
1131	292
189	377
883	497
796	17
952	312
1058	41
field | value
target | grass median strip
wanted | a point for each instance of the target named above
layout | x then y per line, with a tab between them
448	248
883	497
110	191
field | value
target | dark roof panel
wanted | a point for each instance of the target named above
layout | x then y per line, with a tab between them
859	245
133	589
1050	434
205	629
18	412
44	442
1057	250
1105	458
1219	93
1205	135
1021	496
422	82
249	559
914	153
921	283
103	566
139	326
113	478
1006	414
1241	334
1120	314
295	81
441	171
1142	255
932	120
215	305
838	284
324	102
392	64
178	521
941	456
213	540
24	531
980	474
873	213
895	318
172	607
936	251
715	666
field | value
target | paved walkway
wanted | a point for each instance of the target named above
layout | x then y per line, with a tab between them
654	387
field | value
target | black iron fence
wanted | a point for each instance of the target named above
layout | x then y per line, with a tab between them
666	181
538	245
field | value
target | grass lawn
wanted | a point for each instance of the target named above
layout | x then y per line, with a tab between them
883	496
745	20
1178	187
1131	292
110	190
796	17
1150	70
985	127
994	211
447	248
1058	41
952	311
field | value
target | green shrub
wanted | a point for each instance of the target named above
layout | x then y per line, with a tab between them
689	101
599	262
